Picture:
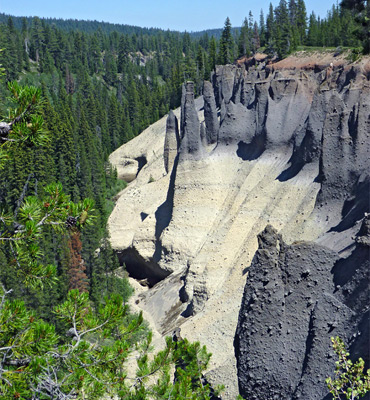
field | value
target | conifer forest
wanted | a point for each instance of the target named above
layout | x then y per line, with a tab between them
71	93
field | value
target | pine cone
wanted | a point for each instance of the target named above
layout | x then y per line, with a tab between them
4	129
71	222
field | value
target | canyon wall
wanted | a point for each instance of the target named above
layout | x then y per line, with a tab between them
245	219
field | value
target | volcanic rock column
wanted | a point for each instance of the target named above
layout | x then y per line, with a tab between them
210	113
171	142
190	134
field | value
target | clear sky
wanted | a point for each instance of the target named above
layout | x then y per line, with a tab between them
190	15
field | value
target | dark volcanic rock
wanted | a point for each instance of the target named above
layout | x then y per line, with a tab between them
345	143
191	143
224	80
210	113
171	142
363	236
322	114
182	115
290	309
237	125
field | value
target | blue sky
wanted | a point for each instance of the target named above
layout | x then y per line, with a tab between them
190	15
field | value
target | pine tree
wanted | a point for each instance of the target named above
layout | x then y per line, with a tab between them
12	54
110	68
313	30
95	63
244	40
362	19
256	37
283	30
76	271
133	106
212	53
301	21
262	29
292	9
226	54
37	38
271	30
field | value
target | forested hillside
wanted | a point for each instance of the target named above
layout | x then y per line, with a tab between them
101	85
99	90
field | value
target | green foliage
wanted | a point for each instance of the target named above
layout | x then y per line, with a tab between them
2	70
350	382
23	124
175	372
355	54
226	54
244	43
94	86
89	361
22	228
22	339
360	10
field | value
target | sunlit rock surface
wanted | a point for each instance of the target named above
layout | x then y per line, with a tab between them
284	145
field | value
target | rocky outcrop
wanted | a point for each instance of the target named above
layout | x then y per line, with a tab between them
171	141
284	144
292	304
191	145
210	113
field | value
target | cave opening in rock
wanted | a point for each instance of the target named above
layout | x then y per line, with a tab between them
147	272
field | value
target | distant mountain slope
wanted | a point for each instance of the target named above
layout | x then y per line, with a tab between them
83	25
216	33
88	26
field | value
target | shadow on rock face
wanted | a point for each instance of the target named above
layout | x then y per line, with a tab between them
356	206
142	162
163	215
251	151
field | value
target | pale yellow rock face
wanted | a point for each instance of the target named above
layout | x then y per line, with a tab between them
220	204
139	196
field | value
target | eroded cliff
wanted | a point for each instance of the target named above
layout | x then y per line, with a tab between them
283	144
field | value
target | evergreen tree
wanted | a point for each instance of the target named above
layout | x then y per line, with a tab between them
262	29
301	21
37	38
133	106
256	37
212	53
313	30
76	271
361	8
110	68
271	30
226	53
283	30
244	40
